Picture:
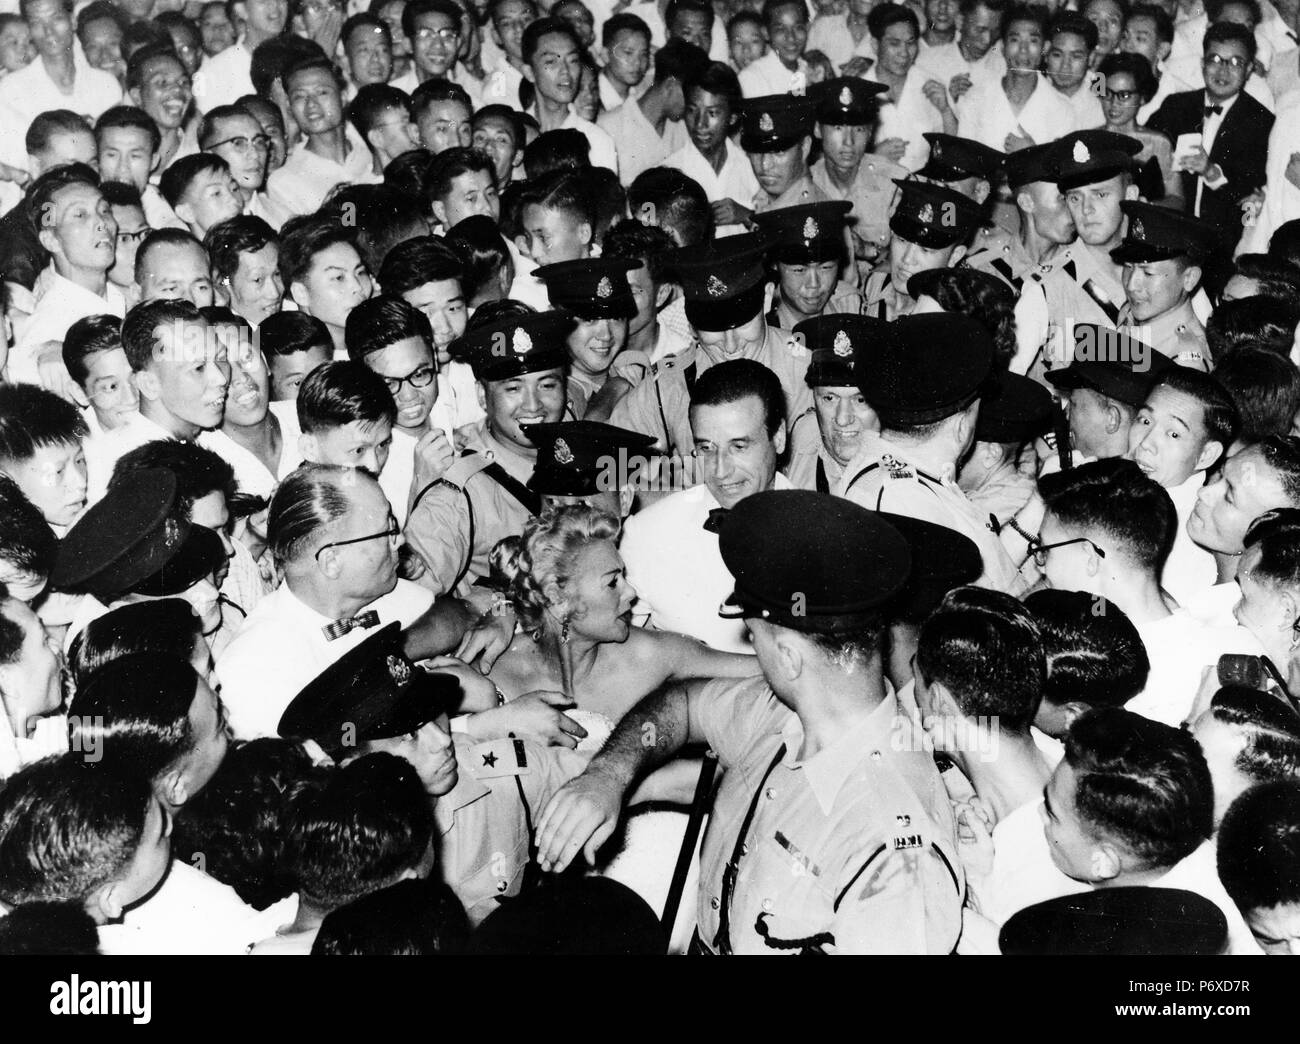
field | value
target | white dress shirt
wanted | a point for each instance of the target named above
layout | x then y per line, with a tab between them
1199	873
830	34
29	91
251	474
301	185
986	115
768	75
910	117
735	181
224	77
105	450
639	145
60	303
282	646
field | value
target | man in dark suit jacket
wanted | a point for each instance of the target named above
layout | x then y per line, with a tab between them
1234	124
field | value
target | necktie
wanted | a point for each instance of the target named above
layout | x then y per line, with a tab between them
1213	110
341	627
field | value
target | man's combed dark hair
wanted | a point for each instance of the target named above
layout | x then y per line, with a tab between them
410	918
271	57
140	327
1095	655
716	78
302	238
1218	411
130	117
32	418
158	627
562	190
450	164
178	177
563	149
1230	32
1265	388
680	203
28	546
47	125
985	649
1274	276
42	192
1282	454
338	393
360	830
738	379
1261	321
287	333
199	472
633	241
244	234
371	103
882	16
1269	729
382	321
1259	847
623	22
1140	783
310	498
1075	23
546	27
1112	501
68	829
1277	535
424	259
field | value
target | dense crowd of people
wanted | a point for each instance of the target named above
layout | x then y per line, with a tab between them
710	476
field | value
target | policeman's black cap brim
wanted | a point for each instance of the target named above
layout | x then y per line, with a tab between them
810	255
830	376
726	314
588	310
1142	253
937	171
507	369
1066	379
737	608
1066	182
200	555
846	119
769	143
926	235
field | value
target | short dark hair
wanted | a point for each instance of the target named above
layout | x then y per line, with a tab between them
45	125
1284	243
178	177
199	471
87	337
1218	412
561	190
1073	22
716	78
359	830
412	917
675	7
1025	13
42	193
28	545
1112	498
1230	32
47	929
287	333
678	59
1277	535
381	321
307	63
164	237
338	393
271	57
633	241
680	203
166	627
985	649
100	9
383	218
882	16
1141	783
565	148
1259	847
738	379
480	249
243	234
1282	454
547	26
161	47
120	194
1263	321
1214	9
1135	65
1265	388
210	119
140	327
1269	727
372	101
364	20
415	8
1163	22
450	164
238	820
770	7
130	117
424	259
67	829
432	91
1095	654
302	238
1276	276
623	22
32	418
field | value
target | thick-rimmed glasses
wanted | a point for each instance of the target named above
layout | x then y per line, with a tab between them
243	143
392	533
1235	61
421	378
1039	550
447	36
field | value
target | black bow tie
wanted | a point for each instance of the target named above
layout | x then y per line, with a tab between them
714	522
341	627
1213	110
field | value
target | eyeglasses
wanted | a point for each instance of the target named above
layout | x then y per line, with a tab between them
421	378
1236	62
1121	96
319	8
392	533
445	35
134	237
243	143
1039	550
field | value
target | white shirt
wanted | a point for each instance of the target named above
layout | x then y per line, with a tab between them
768	75
301	185
1214	605
399	471
677	570
282	646
250	473
604	153
1085	105
157	211
910	117
830	34
1179	648
224	78
986	114
105	450
1023	872
1282	198
27	93
460	76
735	181
946	61
457	402
191	913
1189	568
638	143
60	305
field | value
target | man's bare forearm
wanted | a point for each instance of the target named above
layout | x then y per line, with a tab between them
649	735
439	629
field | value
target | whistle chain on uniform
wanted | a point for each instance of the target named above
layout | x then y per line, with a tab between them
337	629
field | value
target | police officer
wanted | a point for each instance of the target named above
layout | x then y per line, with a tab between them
1081	283
826	436
1045	221
486	795
1164	253
587	462
776	132
932	226
831	832
847	116
724	285
925	381
1001	471
810	254
596	293
455	521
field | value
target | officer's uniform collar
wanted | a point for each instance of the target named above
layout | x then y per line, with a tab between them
829	769
466	791
874	445
1166	325
479	438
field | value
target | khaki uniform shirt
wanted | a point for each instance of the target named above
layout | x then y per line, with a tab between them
1177	334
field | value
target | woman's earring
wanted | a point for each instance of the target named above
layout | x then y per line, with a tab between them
564	631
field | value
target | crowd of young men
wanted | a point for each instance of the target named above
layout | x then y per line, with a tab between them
931	366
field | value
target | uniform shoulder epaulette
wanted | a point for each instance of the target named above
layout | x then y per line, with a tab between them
897	469
499	758
665	364
465	468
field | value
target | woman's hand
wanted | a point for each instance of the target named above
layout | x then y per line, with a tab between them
537	715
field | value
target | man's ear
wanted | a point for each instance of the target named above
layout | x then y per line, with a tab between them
1025	202
1114	418
528	68
626	496
1209	454
440	212
521	244
958	253
982	190
328	563
1192	278
789	654
1105	863
1074	710
480	393
778	440
663	294
173	788
155	162
1162	50
148	385
298	291
47	238
1131	192
309	447
134	95
372	138
585	233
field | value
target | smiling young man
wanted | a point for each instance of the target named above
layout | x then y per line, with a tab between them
553	64
225	76
158	83
368	46
1071	39
202	191
435	29
382	116
810	257
234	134
783	69
244	257
128	143
92	352
323	272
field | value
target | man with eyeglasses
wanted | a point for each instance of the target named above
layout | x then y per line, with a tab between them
434	29
132	228
234	134
1107	531
1223	132
225	77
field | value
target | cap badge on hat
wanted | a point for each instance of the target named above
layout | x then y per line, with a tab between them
846	96
843	347
398	669
926	215
604	288
715	286
1138	231
810	229
765	123
563	455
521	342
171	533
1081	153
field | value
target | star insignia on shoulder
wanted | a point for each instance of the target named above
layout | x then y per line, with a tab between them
489	761
398	669
521	342
926	215
604	288
563	455
810	229
842	346
715	286
765	123
1080	153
